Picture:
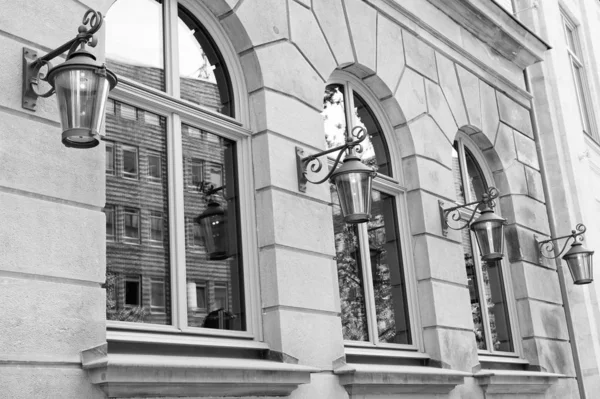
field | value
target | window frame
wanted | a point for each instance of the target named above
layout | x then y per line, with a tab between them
465	142
132	240
113	171
136	150
154	179
395	187
178	112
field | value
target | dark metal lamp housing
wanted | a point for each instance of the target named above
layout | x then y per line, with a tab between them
81	85
213	222
353	180
488	228
578	258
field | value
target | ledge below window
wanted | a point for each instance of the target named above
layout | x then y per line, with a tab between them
150	375
362	379
513	381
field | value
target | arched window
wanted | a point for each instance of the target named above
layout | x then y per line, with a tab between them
169	137
371	274
490	305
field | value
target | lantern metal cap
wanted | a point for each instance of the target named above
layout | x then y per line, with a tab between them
576	249
487	215
352	164
83	59
213	208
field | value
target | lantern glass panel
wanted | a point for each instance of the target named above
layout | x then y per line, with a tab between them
354	191
82	96
214	231
490	239
580	266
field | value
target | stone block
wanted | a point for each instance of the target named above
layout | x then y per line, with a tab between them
420	56
284	69
306	34
288	117
521	245
504	149
37	381
535	188
51	239
470	389
440	111
411	95
329	14
455	349
260	162
445	305
469	84
526	152
314	338
439	259
322	385
393	111
252	72
482	141
564	387
220	7
362	20
541	319
511	180
428	141
515	115
424	215
390	52
553	356
525	211
273	17
297	279
428	175
451	88
531	281
36	161
49	320
489	111
294	221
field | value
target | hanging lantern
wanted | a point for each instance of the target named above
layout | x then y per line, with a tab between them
580	264
489	233
82	85
353	181
213	222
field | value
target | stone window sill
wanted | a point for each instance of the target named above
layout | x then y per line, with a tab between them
159	374
515	381
376	379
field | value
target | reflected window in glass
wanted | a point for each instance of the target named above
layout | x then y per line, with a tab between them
130	162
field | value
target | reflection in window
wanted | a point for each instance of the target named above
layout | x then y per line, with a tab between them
157	295
154	167
485	279
110	158
130	162
156	226
132	224
221	296
133	291
201	298
197	168
109	212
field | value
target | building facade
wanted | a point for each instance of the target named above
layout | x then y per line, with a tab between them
128	293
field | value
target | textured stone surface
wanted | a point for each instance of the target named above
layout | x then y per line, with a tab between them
525	211
428	175
293	278
542	319
489	111
424	215
535	188
455	349
515	115
440	111
284	69
526	151
46	320
336	31
38	162
470	89
390	52
51	239
521	244
420	56
451	88
448	307
536	282
322	385
236	32
439	259
411	95
306	34
363	29
429	141
220	7
26	382
312	221
512	180
504	147
273	17
553	356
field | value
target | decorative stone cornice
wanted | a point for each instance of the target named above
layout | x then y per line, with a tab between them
515	382
493	25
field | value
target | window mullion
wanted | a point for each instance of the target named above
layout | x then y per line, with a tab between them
369	293
176	222
483	298
171	47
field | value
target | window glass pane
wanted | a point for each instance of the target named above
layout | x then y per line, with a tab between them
476	311
130	162
157	298
374	147
197	172
109	212
496	306
458	185
141	57
221	300
218	260
201	297
215	175
388	276
143	221
110	158
350	276
583	109
476	184
154	167
132	291
203	77
334	115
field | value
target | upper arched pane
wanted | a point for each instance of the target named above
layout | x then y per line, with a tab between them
338	109
469	181
135	50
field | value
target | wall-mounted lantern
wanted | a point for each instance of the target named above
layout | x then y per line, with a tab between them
488	228
353	179
578	258
213	223
81	84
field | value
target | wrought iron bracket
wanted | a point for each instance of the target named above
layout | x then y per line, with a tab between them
208	189
32	64
487	199
358	135
547	246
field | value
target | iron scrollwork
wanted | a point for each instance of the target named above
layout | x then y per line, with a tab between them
487	199
547	246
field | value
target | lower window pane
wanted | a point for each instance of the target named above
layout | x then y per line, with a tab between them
137	258
213	260
476	311
496	304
